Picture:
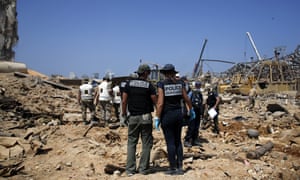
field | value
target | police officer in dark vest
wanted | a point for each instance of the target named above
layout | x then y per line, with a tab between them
212	102
171	92
192	134
140	97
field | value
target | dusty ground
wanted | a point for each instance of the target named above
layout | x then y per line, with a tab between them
42	138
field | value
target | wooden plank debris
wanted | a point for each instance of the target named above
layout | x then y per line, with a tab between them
56	85
256	154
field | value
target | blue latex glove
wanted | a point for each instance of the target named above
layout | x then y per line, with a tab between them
192	114
157	123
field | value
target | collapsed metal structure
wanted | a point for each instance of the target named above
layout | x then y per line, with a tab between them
276	74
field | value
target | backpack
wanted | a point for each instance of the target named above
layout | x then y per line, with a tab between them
197	99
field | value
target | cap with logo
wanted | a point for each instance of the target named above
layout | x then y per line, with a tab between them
142	68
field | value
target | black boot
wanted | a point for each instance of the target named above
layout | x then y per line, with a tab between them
180	170
188	143
197	142
171	171
216	131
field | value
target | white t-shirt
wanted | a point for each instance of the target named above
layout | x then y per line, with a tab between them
104	88
86	92
117	94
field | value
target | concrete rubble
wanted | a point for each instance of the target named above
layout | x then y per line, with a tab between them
41	136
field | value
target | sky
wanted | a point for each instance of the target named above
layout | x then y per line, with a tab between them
61	37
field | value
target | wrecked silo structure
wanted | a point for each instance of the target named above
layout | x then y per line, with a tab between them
8	29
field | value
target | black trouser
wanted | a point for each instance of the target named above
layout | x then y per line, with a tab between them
87	104
216	120
171	123
193	126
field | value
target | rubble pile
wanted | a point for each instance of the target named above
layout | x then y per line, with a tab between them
42	137
30	99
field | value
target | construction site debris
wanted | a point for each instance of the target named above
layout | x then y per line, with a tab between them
37	80
41	127
256	154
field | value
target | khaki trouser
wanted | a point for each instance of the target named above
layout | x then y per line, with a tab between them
87	104
105	110
139	126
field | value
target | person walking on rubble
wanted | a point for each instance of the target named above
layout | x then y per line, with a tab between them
116	101
212	104
139	97
104	96
171	92
251	97
85	99
192	135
